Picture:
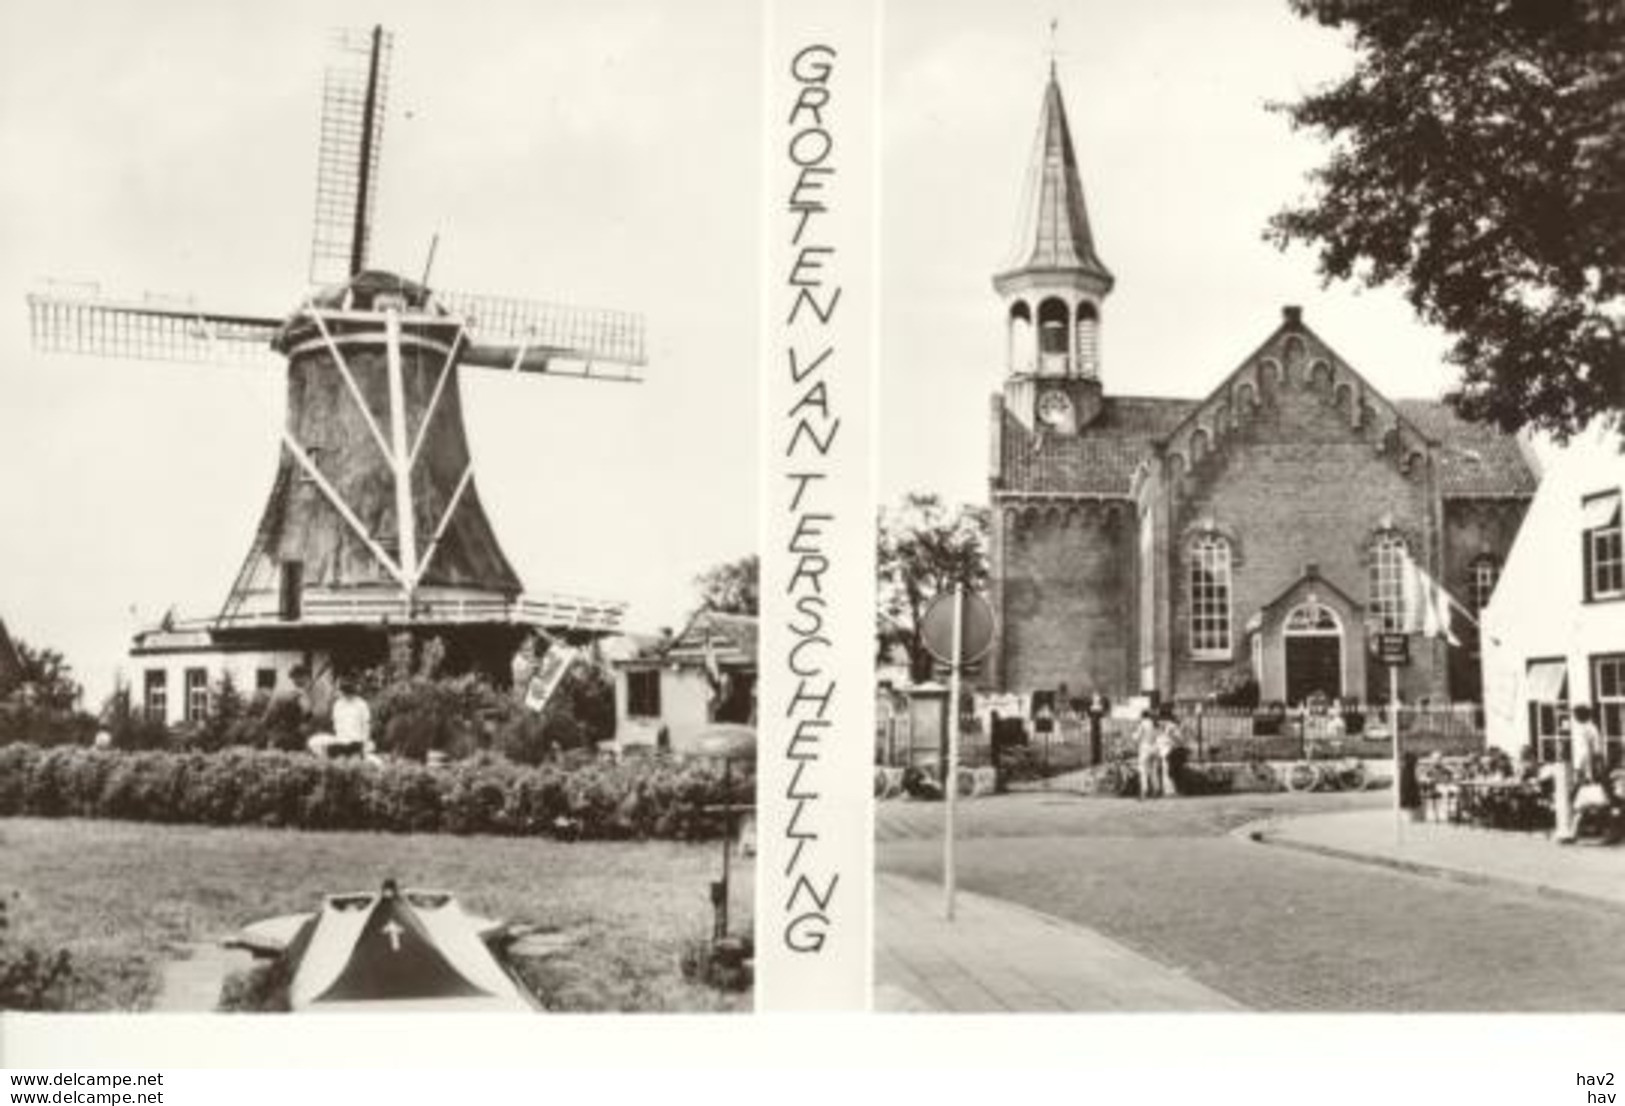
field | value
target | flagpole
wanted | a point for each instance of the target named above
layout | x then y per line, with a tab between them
1393	724
951	776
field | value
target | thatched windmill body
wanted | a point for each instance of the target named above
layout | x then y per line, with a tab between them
374	523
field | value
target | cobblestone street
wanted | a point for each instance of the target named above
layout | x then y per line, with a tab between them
1271	928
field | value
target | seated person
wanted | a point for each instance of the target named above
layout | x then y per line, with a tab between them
352	726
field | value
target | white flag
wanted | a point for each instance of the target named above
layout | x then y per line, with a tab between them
1427	604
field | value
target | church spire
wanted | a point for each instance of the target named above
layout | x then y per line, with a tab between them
1052	233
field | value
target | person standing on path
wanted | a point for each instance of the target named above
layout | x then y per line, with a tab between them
1168	743
1587	790
1150	761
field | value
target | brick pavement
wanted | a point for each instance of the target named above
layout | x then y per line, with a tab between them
1272	928
1528	860
996	956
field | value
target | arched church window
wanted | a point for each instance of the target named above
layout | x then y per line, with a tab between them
1021	337
1387	598
1312	620
1210	597
1052	336
1088	331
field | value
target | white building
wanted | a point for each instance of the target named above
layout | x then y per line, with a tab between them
1554	631
176	672
669	689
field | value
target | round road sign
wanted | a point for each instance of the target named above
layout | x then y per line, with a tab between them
975	631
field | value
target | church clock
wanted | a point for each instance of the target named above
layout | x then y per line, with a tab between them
1056	411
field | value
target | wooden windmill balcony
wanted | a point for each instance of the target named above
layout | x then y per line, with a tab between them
378	607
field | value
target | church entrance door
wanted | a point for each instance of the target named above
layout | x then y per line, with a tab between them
1313	643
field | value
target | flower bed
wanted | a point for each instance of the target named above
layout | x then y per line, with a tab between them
644	798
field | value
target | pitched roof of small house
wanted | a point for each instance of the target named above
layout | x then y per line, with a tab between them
732	638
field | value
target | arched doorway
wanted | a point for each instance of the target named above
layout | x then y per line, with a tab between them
1312	640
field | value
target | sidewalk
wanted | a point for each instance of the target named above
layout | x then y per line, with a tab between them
996	956
1529	861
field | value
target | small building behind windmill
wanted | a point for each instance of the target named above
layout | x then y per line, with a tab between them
670	687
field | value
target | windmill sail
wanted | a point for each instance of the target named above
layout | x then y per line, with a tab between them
354	93
149	331
533	336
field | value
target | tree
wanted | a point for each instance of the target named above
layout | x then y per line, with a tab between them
924	549
731	588
1478	161
46	678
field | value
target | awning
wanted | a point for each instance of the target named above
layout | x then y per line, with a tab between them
1544	683
1603	510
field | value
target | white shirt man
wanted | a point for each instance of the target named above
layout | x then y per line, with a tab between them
352	720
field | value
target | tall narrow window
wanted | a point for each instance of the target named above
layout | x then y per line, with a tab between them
1608	689
1210	598
1603	548
288	598
1053	339
197	694
1088	337
1485	574
1387	599
643	693
1021	338
1546	685
156	698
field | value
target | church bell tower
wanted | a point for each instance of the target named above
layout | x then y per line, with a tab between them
1052	288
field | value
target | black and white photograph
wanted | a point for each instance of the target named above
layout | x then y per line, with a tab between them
1250	633
378	550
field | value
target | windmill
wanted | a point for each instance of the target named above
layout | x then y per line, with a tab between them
373	518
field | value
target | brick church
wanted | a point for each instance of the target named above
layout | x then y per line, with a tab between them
1181	546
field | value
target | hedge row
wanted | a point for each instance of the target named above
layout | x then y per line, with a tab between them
646	798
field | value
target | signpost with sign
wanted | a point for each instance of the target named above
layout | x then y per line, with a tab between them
958	631
1394	650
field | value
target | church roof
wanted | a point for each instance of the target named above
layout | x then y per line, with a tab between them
1474	459
1099	462
1053	230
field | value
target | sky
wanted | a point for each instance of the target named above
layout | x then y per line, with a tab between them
1182	166
566	151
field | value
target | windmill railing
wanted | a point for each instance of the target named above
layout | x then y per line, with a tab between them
553	612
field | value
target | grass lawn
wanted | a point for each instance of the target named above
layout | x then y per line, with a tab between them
123	897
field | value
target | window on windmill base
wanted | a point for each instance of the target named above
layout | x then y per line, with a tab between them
1602	547
197	694
643	693
265	679
155	694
